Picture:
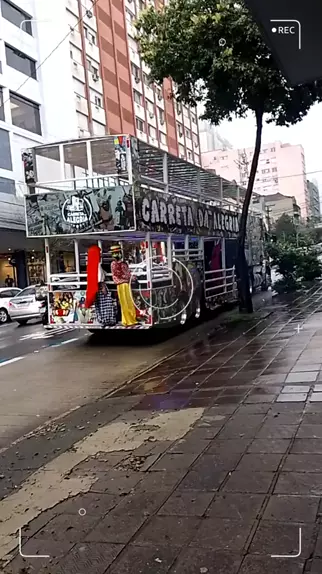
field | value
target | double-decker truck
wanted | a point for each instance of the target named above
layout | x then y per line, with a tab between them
173	225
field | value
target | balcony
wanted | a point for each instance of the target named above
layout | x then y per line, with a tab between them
95	82
162	125
135	58
152	120
98	114
81	104
78	71
92	50
72	6
149	93
139	111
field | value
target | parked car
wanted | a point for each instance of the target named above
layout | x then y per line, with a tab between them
26	306
6	293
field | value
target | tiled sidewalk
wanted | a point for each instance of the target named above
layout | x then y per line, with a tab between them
243	485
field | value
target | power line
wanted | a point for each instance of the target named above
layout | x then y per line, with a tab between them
72	29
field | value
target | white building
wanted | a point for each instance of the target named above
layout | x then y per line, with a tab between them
41	68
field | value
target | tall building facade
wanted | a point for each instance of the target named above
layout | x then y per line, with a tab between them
74	72
210	138
281	169
314	201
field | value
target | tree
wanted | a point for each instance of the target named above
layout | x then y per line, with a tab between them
184	41
285	227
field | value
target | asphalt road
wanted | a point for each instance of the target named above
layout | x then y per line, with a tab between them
17	341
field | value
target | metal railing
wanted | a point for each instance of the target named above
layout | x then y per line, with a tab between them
220	282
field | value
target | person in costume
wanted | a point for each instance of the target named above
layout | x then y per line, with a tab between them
121	276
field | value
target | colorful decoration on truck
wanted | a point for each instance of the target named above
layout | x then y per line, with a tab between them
85	211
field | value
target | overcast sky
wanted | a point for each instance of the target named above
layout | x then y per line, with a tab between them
241	133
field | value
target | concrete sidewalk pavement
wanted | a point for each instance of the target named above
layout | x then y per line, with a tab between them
211	463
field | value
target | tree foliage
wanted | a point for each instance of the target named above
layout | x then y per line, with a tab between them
285	227
183	41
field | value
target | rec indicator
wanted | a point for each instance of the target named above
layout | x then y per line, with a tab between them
292	29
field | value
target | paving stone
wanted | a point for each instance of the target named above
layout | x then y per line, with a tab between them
317	388
174	462
236	430
99	463
309	431
207	463
162	530
236	506
238	446
145	560
300	368
292	508
189	446
194	560
282	538
253	482
85	558
316	566
260	399
312	419
221	534
160	481
303	463
116	528
303	377
269	430
299	483
265	564
56	551
141	503
318	547
262	462
187	503
37	523
67	528
205	432
260	445
116	482
316	397
206	482
253	409
292	398
284	418
94	504
304	445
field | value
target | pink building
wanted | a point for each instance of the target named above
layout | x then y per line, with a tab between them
281	169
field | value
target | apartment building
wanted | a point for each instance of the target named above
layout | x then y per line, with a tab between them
73	72
281	169
314	201
277	205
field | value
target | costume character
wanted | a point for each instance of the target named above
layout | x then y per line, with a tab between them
121	276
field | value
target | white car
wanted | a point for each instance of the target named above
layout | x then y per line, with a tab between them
6	293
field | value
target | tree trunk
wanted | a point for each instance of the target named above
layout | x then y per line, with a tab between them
245	298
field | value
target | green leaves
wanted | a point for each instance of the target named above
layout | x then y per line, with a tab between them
182	41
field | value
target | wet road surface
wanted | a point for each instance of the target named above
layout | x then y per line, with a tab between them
210	463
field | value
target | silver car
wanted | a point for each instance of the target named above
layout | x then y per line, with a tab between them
25	306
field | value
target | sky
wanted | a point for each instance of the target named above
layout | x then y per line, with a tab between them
308	132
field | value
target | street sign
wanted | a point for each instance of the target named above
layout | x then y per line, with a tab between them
292	29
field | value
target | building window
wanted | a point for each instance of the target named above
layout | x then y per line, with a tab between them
274	168
129	16
265	170
1	106
275	180
98	101
140	125
163	138
16	16
272	149
25	114
180	130
152	132
145	79
137	97
5	151
189	155
161	116
193	118
136	72
21	62
188	133
182	151
7	186
224	157
159	94
179	107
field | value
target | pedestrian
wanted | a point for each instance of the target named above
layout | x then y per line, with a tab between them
105	306
9	281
